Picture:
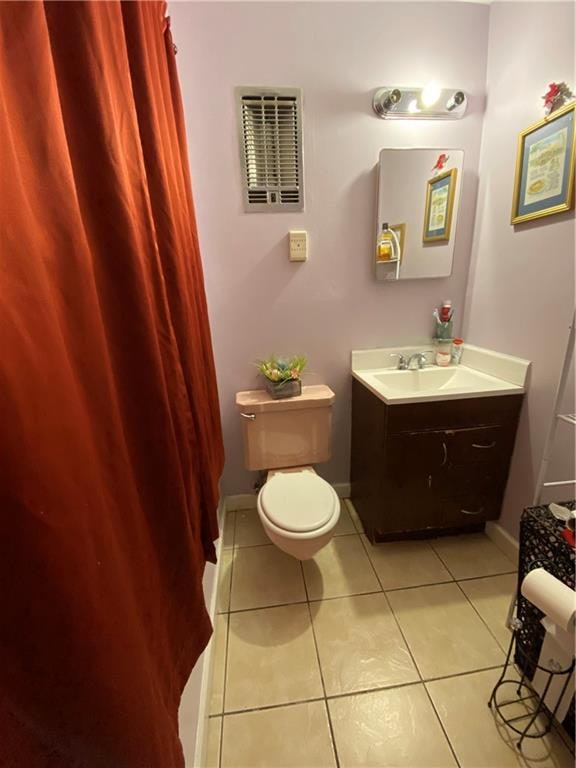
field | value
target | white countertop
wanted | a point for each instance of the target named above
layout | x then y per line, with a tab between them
481	373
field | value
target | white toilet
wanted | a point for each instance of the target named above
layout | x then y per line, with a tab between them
297	508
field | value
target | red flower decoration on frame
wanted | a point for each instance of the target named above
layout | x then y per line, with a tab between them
441	162
557	95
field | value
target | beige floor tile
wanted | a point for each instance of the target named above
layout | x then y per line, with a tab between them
249	530
271	658
297	736
443	631
472	555
264	576
354	516
213	742
402	564
228	534
341	568
224	581
219	639
392	728
344	524
478	739
359	644
491	596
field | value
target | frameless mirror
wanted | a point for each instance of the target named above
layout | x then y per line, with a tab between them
418	202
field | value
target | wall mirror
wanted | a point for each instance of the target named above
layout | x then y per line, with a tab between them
418	203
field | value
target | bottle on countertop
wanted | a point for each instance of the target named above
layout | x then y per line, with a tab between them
443	353
457	351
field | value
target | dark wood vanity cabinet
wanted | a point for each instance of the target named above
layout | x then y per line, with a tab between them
424	468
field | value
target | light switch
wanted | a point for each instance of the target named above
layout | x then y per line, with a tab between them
298	245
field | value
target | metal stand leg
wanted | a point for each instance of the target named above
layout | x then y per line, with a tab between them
532	695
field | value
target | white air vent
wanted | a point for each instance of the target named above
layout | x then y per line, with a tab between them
270	128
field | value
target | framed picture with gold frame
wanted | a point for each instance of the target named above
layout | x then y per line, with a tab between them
440	192
544	181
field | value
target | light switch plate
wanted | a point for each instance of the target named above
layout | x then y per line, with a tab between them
298	245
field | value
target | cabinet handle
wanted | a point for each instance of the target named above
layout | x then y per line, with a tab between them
445	457
250	416
469	512
480	445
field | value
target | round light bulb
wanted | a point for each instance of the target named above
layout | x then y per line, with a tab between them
413	106
430	94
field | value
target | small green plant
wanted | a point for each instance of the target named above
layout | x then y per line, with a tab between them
282	369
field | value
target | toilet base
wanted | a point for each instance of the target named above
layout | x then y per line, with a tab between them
300	546
303	549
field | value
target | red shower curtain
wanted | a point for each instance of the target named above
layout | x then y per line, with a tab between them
110	442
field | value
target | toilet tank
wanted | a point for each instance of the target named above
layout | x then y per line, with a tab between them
286	433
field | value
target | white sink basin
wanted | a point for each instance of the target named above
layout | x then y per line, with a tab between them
496	374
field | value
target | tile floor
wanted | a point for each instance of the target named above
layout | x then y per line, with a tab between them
364	656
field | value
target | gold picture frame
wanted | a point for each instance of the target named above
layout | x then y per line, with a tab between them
440	193
544	178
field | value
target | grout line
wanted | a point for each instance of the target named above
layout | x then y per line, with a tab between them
487	576
419	586
485	623
221	741
271	706
438	718
332	739
264	607
363	692
462	674
392	612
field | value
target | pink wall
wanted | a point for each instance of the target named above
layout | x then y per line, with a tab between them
521	291
338	53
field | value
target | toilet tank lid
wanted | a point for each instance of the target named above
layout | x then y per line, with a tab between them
258	400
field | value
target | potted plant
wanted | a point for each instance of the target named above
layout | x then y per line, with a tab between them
282	375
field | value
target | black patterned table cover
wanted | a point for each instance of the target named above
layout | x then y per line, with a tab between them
541	546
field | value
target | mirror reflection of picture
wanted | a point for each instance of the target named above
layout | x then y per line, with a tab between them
440	192
403	175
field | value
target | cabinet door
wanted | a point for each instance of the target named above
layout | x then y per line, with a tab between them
411	456
411	460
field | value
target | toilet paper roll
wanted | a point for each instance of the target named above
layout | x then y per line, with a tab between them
551	596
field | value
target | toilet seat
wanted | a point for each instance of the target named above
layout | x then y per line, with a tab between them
300	502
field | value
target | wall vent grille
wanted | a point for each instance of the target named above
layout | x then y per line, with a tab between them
270	129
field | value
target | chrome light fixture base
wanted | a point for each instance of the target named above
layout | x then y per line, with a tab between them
392	102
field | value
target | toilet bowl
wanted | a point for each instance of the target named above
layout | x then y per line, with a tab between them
298	510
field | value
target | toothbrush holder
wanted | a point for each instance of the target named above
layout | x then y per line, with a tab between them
444	331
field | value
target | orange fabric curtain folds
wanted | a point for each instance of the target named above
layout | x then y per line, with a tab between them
110	440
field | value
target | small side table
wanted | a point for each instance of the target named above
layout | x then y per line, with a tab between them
541	546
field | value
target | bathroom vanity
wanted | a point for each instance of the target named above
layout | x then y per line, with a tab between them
431	448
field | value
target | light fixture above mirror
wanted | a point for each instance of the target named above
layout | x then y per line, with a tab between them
429	103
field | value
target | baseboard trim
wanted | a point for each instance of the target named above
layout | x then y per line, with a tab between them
207	662
503	540
342	489
240	501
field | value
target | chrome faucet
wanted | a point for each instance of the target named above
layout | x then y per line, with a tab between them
402	362
420	358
